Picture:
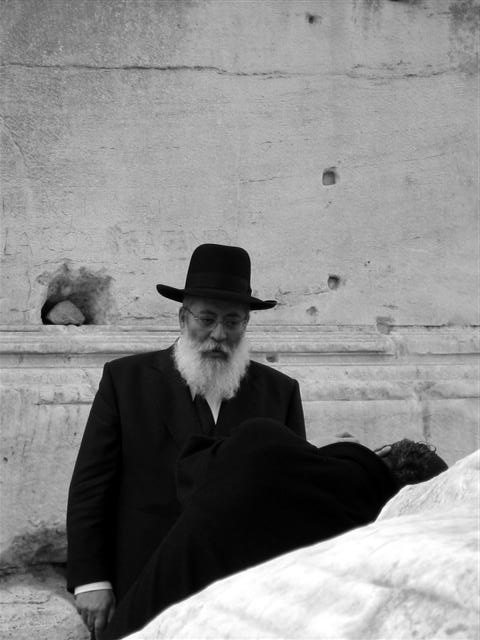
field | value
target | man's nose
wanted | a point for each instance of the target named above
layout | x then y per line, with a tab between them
218	333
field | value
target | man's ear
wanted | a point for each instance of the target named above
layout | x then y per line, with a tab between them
181	317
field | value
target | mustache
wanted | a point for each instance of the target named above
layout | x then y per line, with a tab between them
212	345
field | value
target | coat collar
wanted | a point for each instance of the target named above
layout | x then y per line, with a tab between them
242	406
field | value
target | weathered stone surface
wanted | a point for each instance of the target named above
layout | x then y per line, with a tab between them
461	483
38	450
414	573
373	422
36	606
132	131
65	313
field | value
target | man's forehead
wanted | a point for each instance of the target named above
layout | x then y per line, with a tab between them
210	305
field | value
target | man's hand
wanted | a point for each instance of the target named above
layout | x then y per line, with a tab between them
345	436
96	608
383	451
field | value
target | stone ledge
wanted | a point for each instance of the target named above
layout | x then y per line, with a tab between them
287	340
122	339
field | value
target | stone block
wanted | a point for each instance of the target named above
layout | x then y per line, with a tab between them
36	605
453	425
40	438
135	131
374	423
447	490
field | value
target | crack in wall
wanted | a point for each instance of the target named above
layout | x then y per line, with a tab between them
355	73
138	67
369	73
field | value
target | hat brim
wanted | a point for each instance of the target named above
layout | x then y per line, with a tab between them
255	304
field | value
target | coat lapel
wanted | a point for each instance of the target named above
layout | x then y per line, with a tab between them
241	407
175	404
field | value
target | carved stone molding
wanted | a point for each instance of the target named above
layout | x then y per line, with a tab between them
275	343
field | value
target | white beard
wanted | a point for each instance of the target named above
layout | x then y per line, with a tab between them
216	378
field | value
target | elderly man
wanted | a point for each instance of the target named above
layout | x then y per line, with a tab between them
122	498
256	494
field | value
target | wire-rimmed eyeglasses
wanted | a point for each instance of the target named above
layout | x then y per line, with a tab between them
231	325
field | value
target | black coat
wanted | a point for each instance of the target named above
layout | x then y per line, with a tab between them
246	499
122	499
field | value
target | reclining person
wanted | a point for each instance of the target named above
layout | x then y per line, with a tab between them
259	493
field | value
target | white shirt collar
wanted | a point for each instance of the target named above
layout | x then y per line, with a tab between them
213	403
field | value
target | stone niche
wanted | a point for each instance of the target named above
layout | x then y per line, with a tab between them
88	292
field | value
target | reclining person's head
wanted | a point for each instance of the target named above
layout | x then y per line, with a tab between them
412	462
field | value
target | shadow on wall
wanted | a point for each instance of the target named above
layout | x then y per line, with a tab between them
82	297
47	545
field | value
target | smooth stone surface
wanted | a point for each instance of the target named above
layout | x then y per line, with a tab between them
134	131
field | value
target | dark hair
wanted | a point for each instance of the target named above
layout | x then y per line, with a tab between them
412	462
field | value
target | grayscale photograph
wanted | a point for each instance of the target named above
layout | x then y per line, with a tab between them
240	320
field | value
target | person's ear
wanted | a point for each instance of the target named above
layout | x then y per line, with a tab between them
181	317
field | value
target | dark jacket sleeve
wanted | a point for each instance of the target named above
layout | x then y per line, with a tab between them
295	420
92	492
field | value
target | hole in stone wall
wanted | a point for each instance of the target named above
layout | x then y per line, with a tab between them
312	18
385	324
81	297
329	176
333	282
272	357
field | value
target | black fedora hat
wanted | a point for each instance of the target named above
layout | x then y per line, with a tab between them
220	272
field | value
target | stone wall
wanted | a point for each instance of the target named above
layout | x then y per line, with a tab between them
414	383
334	140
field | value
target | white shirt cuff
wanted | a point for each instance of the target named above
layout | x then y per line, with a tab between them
93	586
